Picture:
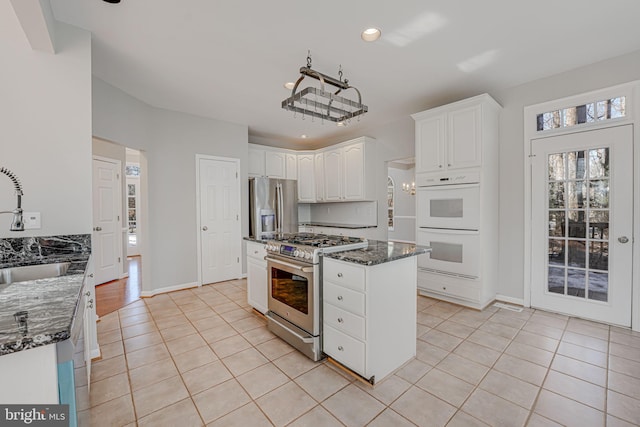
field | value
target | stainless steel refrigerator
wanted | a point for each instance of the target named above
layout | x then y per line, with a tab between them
273	206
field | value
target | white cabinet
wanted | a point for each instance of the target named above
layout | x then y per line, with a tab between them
306	178
256	162
275	164
333	178
369	315
291	160
318	167
450	137
458	144
257	280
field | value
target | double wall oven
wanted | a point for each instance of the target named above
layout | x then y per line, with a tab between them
449	222
294	278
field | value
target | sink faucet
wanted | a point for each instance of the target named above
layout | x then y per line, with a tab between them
17	223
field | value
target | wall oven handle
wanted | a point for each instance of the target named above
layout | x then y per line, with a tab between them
306	340
288	264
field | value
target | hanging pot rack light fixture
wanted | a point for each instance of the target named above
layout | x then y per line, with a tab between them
321	103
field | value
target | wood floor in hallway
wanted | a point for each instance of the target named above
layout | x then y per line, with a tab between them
114	295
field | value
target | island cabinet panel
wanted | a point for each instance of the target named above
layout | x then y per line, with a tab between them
257	278
369	315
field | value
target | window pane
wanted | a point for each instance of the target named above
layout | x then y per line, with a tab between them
599	256
131	189
577	195
599	163
132	202
576	282
576	254
556	195
556	252
556	224
132	214
577	224
599	225
618	107
556	167
599	194
576	166
598	286
556	280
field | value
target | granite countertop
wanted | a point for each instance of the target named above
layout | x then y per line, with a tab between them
379	252
331	225
50	304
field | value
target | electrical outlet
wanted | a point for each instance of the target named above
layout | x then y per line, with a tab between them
31	220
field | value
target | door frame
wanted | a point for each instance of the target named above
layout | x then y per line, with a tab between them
632	104
238	230
119	207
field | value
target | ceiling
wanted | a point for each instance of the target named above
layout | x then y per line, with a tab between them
228	59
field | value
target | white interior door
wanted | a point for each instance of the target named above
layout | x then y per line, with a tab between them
582	201
220	235
106	220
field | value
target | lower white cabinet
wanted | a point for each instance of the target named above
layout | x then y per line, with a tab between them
257	286
369	315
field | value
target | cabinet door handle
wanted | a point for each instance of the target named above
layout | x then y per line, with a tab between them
340	320
88	293
339	274
448	164
339	297
439	166
340	348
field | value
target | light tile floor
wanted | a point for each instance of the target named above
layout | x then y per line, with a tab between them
203	357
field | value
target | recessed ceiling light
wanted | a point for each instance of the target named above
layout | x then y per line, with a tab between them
303	136
289	85
370	34
112	1
340	124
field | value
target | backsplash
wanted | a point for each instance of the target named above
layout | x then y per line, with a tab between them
44	249
346	213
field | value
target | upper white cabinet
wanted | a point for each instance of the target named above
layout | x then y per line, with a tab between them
451	137
275	164
342	172
291	160
306	178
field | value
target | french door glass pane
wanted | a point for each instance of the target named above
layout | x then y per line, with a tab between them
578	212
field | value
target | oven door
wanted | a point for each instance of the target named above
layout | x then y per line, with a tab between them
455	252
292	293
449	206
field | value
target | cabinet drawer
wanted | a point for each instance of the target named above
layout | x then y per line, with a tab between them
256	250
344	298
345	349
343	321
459	287
344	274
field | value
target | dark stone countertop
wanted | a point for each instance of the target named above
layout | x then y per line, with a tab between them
50	303
332	225
379	252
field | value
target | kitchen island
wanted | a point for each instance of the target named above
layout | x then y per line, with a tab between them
369	307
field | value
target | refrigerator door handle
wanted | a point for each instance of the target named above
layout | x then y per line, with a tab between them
280	209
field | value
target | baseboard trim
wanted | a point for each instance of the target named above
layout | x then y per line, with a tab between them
149	294
510	300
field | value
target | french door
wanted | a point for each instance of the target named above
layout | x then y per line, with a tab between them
582	201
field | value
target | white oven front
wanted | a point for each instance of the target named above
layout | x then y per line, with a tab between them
455	252
448	201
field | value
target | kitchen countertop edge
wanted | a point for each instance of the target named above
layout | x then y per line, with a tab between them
379	252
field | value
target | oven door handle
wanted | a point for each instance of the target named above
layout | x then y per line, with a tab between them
306	340
288	264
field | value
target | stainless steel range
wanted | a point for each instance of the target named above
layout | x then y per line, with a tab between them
293	264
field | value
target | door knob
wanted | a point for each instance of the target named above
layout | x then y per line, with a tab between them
97	228
623	239
205	228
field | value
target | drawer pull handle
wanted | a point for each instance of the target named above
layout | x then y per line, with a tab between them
255	252
88	293
339	297
340	320
444	288
340	348
339	274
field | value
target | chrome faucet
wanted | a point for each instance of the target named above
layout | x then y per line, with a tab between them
17	224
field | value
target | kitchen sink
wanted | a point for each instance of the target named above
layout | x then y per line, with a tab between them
33	272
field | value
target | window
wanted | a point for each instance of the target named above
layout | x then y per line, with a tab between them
390	190
612	108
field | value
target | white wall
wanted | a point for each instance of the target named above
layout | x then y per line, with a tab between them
603	74
45	131
170	141
404	206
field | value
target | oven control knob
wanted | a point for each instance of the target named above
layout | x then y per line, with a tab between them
308	255
296	253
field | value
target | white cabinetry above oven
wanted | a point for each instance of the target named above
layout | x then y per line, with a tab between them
457	200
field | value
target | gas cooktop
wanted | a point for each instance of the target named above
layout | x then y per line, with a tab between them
320	240
308	246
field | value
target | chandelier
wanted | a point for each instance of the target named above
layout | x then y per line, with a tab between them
409	188
321	103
